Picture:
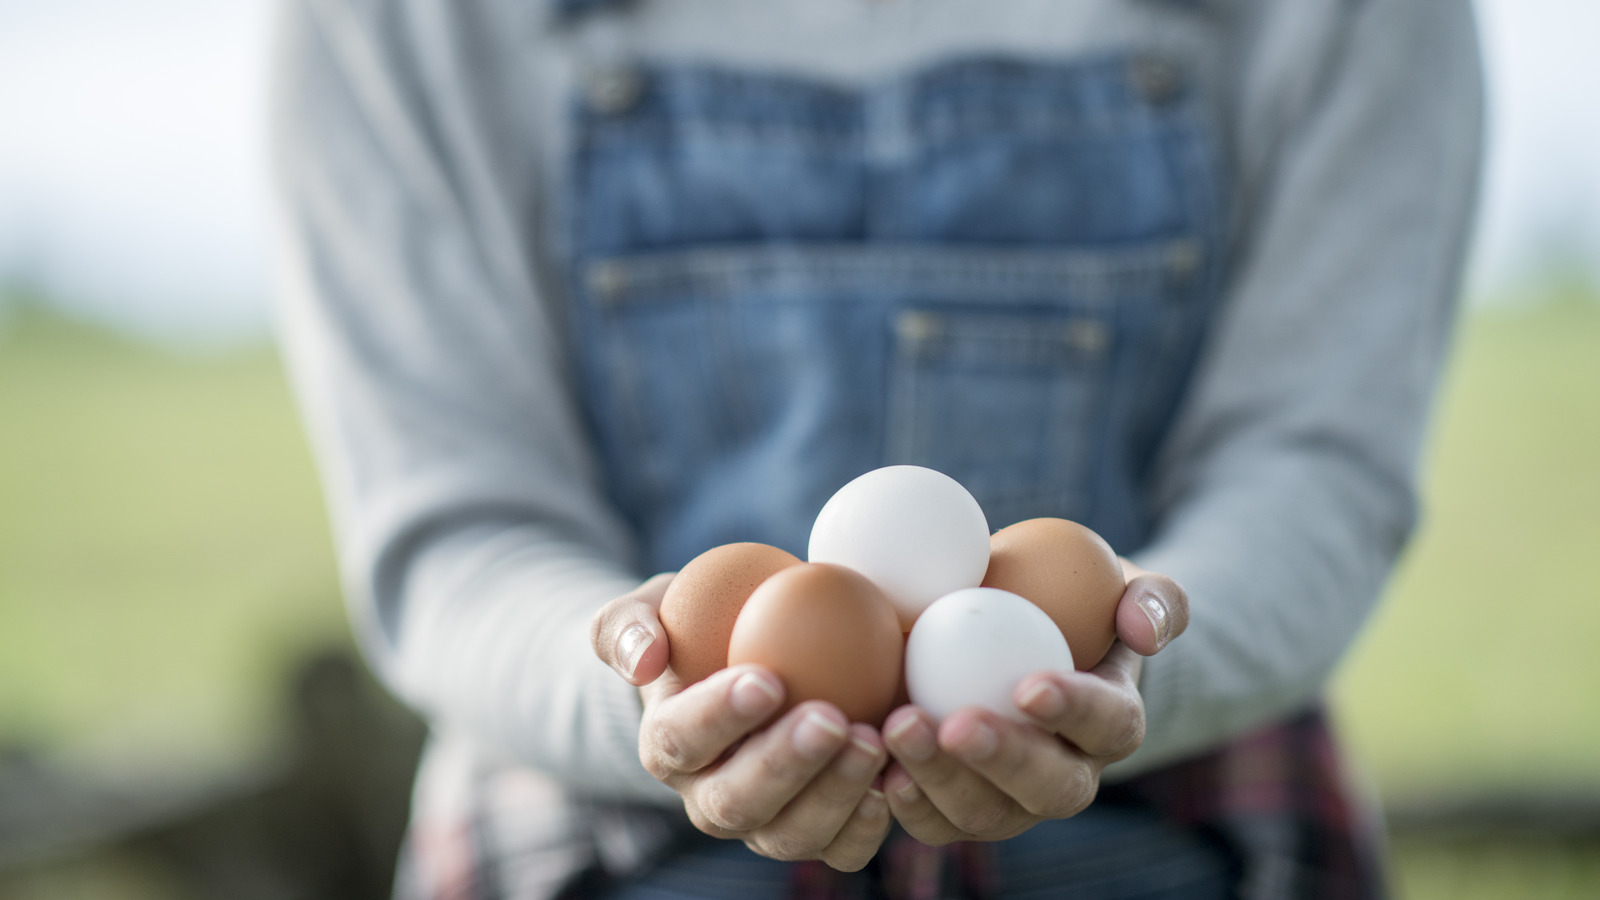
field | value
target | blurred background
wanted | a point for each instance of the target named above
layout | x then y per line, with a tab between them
180	713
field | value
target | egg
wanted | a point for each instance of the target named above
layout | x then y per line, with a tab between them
1069	572
704	599
971	647
829	633
915	532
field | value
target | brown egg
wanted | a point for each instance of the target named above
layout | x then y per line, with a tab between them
902	693
1069	572
704	599
829	633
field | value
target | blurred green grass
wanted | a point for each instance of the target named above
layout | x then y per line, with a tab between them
164	555
163	549
1482	667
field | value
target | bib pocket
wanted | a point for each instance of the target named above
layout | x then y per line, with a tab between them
1012	382
1003	402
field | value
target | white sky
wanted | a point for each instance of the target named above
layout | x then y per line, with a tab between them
1542	193
131	156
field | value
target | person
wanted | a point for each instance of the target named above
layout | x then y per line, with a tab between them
576	290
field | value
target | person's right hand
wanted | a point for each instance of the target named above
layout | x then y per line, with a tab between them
804	787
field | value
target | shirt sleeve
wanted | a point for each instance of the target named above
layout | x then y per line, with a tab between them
1289	484
474	540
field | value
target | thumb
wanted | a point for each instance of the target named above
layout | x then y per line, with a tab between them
1153	610
627	635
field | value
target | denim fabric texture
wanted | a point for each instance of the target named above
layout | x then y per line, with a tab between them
1104	854
997	269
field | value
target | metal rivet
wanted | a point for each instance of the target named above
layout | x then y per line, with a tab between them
916	327
613	91
1186	257
1158	80
1185	260
1088	335
608	280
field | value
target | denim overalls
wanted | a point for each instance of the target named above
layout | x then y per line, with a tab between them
995	268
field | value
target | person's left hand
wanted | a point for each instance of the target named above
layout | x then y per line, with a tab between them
982	776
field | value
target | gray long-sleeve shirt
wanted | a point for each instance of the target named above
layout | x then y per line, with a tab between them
419	153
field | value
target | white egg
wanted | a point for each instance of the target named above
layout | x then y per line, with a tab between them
970	648
915	532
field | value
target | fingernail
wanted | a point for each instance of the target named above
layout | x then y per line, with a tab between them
1156	612
913	739
860	760
817	735
754	695
1043	701
872	805
631	645
908	792
978	743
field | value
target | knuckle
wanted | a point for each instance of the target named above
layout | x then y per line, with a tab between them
939	836
789	847
726	812
853	860
1063	797
777	767
982	820
699	819
1076	793
660	750
1129	733
851	854
1047	803
774	848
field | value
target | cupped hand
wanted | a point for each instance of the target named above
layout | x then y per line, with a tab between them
982	776
802	787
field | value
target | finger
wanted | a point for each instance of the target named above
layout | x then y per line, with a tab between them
914	811
1153	610
1100	712
627	634
858	841
688	731
814	819
960	795
1043	776
1120	666
751	787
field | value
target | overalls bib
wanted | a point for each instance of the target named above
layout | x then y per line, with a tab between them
997	269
